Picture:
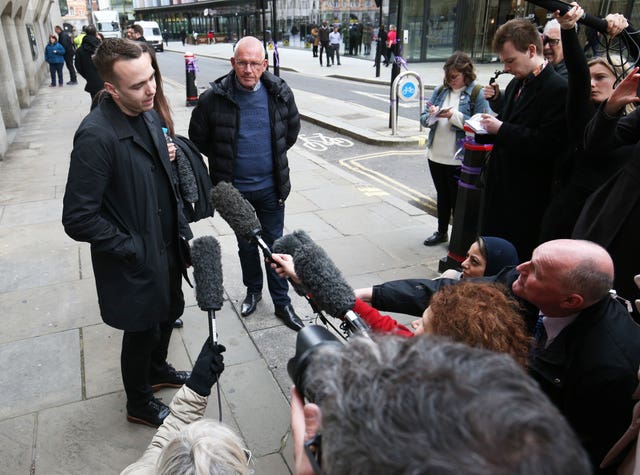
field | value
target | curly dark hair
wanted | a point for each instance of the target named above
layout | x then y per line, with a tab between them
480	315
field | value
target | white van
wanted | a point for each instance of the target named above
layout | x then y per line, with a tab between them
152	34
107	22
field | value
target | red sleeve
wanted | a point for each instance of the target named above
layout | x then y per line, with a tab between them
378	322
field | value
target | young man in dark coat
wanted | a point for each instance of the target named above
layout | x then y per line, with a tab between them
586	360
244	124
85	65
529	135
64	38
120	198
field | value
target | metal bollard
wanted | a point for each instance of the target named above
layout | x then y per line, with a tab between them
190	71
467	213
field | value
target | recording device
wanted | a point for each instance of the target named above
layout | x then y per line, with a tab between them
309	339
497	73
239	214
563	7
207	273
328	288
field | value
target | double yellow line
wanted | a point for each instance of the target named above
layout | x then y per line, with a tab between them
356	164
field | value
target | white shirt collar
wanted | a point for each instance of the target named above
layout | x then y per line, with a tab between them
554	325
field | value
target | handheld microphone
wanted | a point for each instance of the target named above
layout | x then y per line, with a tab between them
594	22
329	289
238	213
207	273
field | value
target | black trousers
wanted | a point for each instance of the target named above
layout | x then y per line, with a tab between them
445	179
144	353
324	46
68	59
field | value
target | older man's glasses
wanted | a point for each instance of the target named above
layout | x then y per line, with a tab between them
252	64
551	41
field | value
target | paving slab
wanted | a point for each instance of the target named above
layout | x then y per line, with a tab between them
16	444
259	406
50	309
41	372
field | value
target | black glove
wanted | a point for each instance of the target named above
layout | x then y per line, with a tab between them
208	368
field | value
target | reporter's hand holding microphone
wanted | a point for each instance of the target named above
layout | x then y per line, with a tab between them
207	368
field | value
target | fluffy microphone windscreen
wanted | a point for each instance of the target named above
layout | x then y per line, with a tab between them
207	272
188	186
290	244
235	210
325	282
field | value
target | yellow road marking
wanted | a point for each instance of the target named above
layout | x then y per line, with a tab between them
354	164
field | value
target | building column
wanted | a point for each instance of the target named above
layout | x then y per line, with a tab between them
9	105
4	140
13	46
33	82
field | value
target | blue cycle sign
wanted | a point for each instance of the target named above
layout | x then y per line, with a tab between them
408	90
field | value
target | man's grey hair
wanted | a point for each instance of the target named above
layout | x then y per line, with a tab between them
206	446
428	405
552	24
586	279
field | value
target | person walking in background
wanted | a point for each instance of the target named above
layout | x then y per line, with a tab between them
457	99
85	65
120	198
381	46
245	123
390	45
323	36
335	38
314	41
183	36
54	55
64	38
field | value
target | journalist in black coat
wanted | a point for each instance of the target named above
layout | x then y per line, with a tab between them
529	136
589	368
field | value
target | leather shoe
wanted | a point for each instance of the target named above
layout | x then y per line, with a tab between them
288	315
436	238
178	323
169	378
151	414
250	303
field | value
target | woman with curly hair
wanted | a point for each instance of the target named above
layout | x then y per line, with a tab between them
479	315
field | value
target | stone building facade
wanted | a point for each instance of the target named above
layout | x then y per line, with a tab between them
24	29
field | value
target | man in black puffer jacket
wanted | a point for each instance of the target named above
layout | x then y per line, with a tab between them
245	123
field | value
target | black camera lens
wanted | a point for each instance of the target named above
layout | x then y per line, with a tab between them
309	339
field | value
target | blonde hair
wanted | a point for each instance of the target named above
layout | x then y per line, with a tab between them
202	448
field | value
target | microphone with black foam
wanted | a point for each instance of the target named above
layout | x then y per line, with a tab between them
290	244
239	214
328	288
207	273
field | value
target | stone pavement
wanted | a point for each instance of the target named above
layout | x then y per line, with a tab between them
62	407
